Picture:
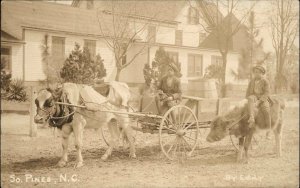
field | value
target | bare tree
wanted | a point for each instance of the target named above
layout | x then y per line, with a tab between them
284	29
124	30
253	53
223	29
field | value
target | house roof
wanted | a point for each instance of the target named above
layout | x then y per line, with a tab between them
6	38
238	40
166	10
51	16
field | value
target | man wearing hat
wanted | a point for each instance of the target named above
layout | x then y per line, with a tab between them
258	92
169	90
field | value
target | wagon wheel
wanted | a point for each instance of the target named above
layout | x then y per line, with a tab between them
254	142
105	132
178	132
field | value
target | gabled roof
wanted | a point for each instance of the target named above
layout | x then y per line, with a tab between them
42	15
9	39
166	10
238	40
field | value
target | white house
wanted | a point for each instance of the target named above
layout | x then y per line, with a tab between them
178	27
25	25
179	30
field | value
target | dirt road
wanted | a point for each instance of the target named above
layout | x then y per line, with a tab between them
30	162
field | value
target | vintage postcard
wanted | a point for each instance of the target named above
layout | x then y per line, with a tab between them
149	93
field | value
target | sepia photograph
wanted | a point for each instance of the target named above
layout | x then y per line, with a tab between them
149	93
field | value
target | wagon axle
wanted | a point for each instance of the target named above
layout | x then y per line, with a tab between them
180	132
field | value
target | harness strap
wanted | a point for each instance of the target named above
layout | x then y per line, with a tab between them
63	114
236	122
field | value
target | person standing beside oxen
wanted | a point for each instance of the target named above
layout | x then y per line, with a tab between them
258	92
169	90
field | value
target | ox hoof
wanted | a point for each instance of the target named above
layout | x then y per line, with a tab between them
104	157
78	165
133	156
62	163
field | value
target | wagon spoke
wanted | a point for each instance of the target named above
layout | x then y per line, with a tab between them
192	123
174	142
169	129
183	117
187	120
178	115
176	145
169	140
189	137
179	144
187	143
184	148
171	120
167	136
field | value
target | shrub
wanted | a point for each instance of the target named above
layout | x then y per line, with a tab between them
214	71
159	66
80	67
5	78
17	91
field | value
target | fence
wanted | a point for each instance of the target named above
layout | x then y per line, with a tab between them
27	107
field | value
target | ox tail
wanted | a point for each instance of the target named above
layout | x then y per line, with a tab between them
282	104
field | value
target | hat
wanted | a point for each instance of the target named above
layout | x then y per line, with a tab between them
175	68
261	68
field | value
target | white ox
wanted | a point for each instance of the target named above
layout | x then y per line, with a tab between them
72	119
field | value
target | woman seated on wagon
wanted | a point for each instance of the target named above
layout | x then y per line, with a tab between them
169	90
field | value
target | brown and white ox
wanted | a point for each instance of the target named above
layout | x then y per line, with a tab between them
72	119
235	122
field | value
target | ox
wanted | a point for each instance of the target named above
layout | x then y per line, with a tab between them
71	119
235	122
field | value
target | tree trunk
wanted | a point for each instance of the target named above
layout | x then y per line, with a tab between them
222	84
118	74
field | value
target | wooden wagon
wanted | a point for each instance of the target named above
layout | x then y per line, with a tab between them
178	129
179	134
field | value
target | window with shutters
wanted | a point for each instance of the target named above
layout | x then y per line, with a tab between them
6	58
195	65
178	37
58	49
216	60
151	34
193	16
173	55
91	45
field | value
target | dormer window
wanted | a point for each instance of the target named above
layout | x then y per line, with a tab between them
193	16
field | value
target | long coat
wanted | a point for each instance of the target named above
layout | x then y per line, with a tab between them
262	89
173	90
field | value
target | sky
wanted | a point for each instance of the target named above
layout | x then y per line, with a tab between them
262	9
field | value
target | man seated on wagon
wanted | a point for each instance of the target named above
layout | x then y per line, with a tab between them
258	92
169	90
